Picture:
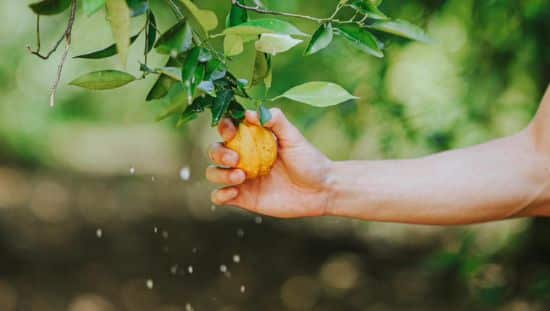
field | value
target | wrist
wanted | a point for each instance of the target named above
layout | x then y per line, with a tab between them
329	187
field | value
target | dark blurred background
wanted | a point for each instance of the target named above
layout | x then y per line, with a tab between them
102	208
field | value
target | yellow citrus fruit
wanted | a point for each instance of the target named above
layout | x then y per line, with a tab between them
256	147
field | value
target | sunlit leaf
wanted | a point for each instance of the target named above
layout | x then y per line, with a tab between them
177	39
174	108
49	7
264	25
361	38
103	80
275	43
232	45
318	94
202	21
118	15
92	6
163	84
403	29
320	39
198	106
106	52
220	105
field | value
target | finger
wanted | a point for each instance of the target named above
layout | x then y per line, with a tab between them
224	195
227	129
279	124
225	176
223	156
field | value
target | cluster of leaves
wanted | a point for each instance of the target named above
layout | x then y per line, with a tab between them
223	81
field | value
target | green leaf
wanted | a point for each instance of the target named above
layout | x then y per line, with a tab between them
163	84
318	94
118	15
220	105
268	79
173	72
190	65
138	7
361	38
215	69
232	45
369	8
198	77
150	32
275	43
264	25
50	7
264	114
236	16
202	21
246	102
92	6
177	39
174	108
235	111
191	112
103	80
403	29
106	52
261	68
320	39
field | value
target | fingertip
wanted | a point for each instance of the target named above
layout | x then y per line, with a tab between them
223	195
252	117
227	129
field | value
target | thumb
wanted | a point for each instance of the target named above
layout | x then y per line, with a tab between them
287	134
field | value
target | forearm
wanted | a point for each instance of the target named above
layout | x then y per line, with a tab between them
501	179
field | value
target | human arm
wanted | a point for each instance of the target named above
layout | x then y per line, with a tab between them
504	178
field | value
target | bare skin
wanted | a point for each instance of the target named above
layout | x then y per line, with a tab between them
503	178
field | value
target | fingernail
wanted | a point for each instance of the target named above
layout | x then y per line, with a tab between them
237	176
229	159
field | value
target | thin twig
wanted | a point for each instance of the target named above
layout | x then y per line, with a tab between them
67	35
261	10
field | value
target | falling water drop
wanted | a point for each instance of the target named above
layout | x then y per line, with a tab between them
190	269
240	233
236	258
243	289
258	220
188	307
174	269
156	230
165	234
99	233
185	173
132	170
223	268
149	284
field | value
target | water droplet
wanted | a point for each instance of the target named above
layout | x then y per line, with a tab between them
243	289
194	250
185	173
236	258
190	269
223	268
153	178
213	208
240	233
174	269
258	220
149	284
156	230
165	234
188	307
132	170
99	233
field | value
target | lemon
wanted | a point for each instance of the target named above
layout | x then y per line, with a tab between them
256	147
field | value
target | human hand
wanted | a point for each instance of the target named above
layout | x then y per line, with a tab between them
296	185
